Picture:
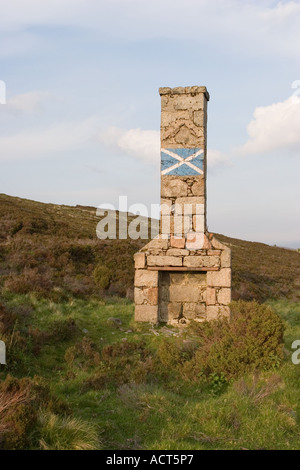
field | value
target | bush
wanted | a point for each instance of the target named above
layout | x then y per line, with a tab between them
102	276
83	354
253	339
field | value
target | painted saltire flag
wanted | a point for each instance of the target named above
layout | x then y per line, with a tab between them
182	162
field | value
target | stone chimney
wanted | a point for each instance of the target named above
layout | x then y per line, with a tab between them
185	273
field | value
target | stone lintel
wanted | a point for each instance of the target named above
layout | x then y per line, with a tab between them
184	90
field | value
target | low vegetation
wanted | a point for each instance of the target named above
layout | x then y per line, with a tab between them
81	374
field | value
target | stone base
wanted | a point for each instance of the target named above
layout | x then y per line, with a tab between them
177	297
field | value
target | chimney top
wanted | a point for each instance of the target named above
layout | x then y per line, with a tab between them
184	91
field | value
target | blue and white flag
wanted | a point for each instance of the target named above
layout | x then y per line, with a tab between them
182	161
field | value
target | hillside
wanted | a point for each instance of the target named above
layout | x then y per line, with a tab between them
53	250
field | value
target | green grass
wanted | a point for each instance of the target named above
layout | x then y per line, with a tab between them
62	285
257	411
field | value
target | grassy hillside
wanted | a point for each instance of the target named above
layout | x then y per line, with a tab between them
81	374
53	250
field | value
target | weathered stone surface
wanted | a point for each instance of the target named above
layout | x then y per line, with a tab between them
177	242
177	252
184	293
139	260
180	90
146	295
224	296
217	312
146	313
198	188
173	187
164	261
207	246
165	206
220	278
212	312
216	244
214	252
226	259
199	223
157	243
210	296
190	205
174	310
201	261
139	296
146	278
168	117
197	279
199	118
194	241
192	310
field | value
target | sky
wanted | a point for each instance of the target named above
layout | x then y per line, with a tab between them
80	108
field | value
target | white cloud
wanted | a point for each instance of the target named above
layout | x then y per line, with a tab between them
39	143
216	158
274	127
141	144
27	102
261	27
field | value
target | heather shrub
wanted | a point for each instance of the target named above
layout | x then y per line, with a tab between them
102	276
83	354
251	340
63	329
20	402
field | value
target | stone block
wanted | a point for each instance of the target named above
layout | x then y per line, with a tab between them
194	241
207	244
212	312
180	293
139	296
226	258
224	296
139	260
214	252
146	278
199	223
173	187
187	101
198	188
147	296
210	296
157	243
220	278
199	118
164	261
177	242
165	206
146	313
190	205
216	244
174	310
169	117
201	261
177	252
217	312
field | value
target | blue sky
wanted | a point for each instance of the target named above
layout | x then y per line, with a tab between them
81	119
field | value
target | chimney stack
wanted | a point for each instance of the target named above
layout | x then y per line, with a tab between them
185	273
